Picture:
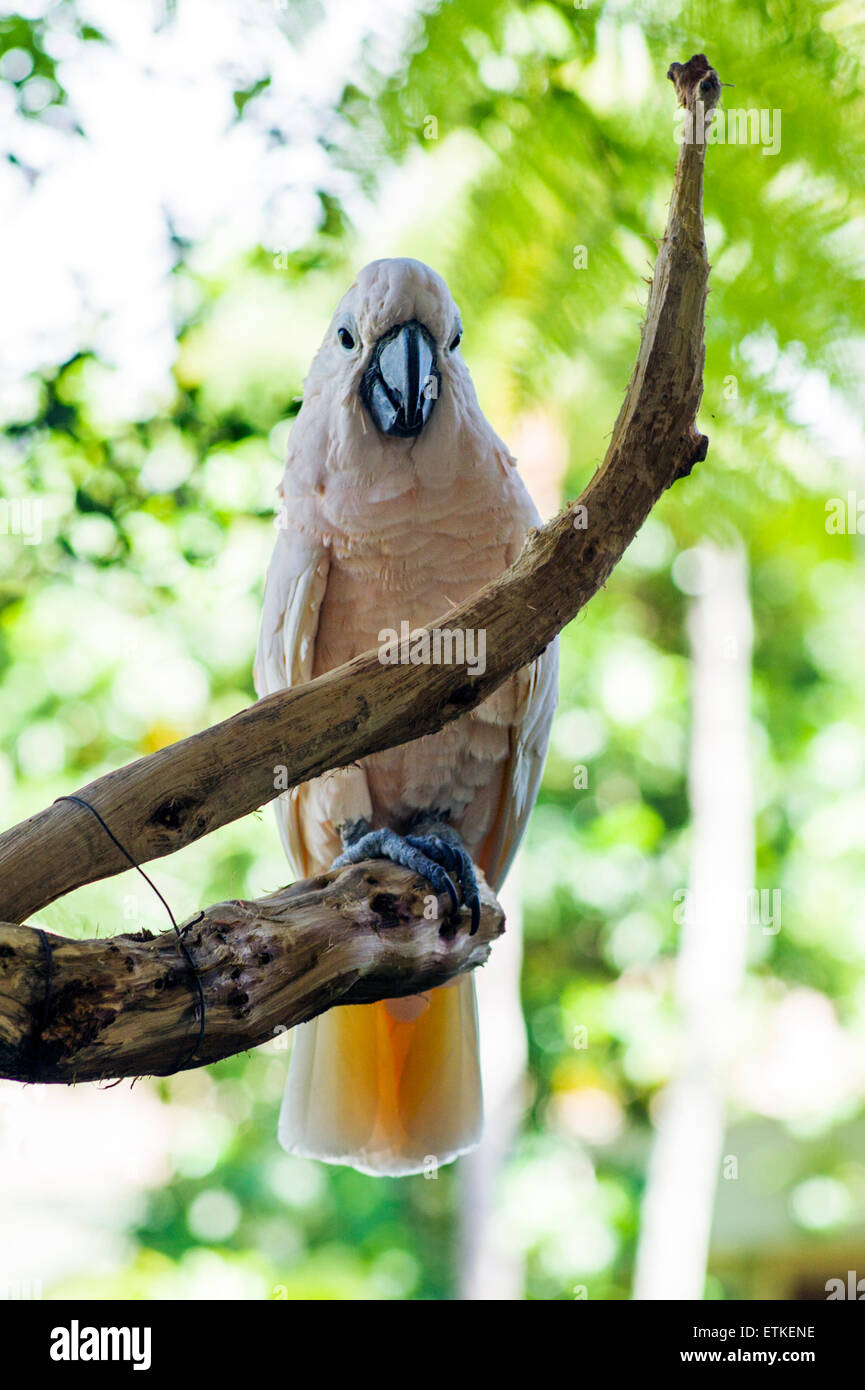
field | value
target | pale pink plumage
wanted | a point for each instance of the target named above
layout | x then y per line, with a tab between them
376	531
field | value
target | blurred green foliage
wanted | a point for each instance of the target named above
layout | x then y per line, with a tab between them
507	136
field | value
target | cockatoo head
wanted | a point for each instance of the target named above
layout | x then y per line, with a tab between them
389	379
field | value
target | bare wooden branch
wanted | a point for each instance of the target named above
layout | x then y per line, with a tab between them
126	1006
165	801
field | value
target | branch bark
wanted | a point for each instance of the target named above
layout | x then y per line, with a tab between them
126	1006
165	801
85	1010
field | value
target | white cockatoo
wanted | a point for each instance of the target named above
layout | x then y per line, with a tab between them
398	501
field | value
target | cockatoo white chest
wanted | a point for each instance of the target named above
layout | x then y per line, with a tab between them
380	530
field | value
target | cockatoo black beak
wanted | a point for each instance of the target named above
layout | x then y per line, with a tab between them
401	384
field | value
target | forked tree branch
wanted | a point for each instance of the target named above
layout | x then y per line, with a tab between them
165	801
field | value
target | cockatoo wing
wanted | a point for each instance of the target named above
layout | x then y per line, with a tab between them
293	594
525	764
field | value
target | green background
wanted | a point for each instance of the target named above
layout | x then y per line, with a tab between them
133	622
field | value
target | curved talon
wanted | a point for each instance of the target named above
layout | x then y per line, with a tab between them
456	858
439	878
473	902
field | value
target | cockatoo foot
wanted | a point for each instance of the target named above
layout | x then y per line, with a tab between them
436	854
442	842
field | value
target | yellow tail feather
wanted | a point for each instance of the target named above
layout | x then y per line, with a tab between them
388	1094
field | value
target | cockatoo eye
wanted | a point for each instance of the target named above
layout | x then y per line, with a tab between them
458	337
345	338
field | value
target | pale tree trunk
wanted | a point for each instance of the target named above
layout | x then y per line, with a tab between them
491	1269
687	1152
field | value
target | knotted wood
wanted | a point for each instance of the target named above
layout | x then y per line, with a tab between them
127	1005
